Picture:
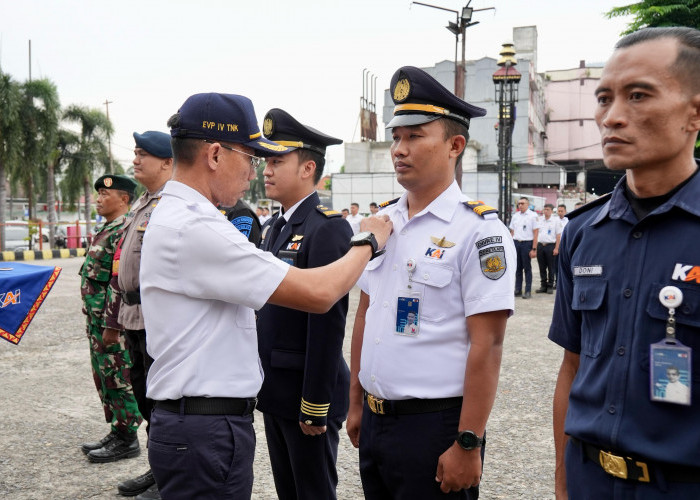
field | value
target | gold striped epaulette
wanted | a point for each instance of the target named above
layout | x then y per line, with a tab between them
313	409
328	212
390	202
480	208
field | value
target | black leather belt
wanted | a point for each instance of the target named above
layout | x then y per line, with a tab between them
545	244
380	406
131	298
636	469
209	406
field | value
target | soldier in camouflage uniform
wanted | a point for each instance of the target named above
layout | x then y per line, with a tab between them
108	354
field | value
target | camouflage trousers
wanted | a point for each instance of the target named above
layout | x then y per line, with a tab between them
110	370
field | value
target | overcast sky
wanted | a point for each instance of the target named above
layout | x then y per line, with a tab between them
304	56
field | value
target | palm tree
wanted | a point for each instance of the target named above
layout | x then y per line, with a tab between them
659	13
91	154
10	138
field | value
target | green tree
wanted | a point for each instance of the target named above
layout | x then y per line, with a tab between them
257	185
91	155
10	138
659	13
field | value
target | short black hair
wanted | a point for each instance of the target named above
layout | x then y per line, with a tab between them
549	205
687	63
184	148
373	204
562	205
305	155
452	128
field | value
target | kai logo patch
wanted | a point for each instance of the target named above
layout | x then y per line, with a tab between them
687	273
9	298
435	253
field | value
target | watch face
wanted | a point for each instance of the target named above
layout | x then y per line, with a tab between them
468	440
361	236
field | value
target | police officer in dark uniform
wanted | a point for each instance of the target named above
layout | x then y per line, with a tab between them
628	297
304	396
245	220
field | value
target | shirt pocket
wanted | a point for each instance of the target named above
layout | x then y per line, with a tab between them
434	278
588	297
687	323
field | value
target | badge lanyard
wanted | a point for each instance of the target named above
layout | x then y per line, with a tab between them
670	367
408	305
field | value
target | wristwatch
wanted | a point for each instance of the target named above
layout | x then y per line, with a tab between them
366	238
469	440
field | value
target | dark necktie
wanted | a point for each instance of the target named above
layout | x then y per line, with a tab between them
275	231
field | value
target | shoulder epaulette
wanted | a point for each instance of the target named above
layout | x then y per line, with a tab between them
328	212
480	208
390	202
591	204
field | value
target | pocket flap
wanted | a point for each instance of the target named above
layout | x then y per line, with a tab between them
688	313
291	360
588	294
432	274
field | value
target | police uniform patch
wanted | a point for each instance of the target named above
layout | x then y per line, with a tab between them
402	90
244	224
491	240
493	262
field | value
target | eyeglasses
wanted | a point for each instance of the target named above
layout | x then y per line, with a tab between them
255	161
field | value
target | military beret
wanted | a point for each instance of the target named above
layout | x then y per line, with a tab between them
120	182
284	129
156	143
419	98
225	118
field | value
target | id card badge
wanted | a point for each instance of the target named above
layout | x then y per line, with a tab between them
671	372
408	313
670	362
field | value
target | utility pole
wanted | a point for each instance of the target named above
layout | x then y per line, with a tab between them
109	139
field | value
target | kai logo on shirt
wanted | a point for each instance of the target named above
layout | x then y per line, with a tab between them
686	272
435	253
9	298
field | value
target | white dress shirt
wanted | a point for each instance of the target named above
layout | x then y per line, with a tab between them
201	279
523	225
354	221
432	363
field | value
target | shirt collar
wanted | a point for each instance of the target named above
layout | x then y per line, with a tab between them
443	206
288	213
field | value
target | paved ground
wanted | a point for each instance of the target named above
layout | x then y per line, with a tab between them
48	406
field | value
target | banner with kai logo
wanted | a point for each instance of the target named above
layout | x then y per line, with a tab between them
23	288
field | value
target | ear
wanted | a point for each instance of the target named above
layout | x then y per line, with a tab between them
694	119
167	164
213	152
457	145
308	168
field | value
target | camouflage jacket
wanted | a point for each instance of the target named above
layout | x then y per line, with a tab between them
97	270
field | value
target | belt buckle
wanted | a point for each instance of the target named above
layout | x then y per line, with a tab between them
612	464
375	404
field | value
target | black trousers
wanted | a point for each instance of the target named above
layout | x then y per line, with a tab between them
136	342
547	262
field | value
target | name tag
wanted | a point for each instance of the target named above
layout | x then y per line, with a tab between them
588	270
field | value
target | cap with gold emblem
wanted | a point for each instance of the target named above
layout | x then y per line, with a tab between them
284	129
119	182
419	98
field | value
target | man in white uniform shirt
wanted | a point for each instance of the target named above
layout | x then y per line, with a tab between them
523	228
429	328
201	279
354	218
548	236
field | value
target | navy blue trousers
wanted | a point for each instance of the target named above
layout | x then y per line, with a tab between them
586	480
202	456
399	455
303	466
522	250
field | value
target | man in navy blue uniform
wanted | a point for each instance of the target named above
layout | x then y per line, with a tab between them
304	396
614	436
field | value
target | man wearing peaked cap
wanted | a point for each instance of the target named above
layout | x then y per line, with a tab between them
201	281
109	357
428	332
304	397
153	166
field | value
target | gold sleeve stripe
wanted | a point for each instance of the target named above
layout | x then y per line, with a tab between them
312	405
314	413
428	108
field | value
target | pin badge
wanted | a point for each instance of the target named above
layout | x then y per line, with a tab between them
671	297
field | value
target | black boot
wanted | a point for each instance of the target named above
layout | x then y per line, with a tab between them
133	487
151	493
122	446
88	447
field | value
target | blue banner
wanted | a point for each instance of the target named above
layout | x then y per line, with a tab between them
23	288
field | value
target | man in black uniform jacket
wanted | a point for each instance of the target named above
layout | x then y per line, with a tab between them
304	397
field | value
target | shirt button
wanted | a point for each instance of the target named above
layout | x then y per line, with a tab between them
637	234
426	276
403	231
611	409
394	267
621	350
627	293
582	297
385	304
686	309
376	341
373	378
